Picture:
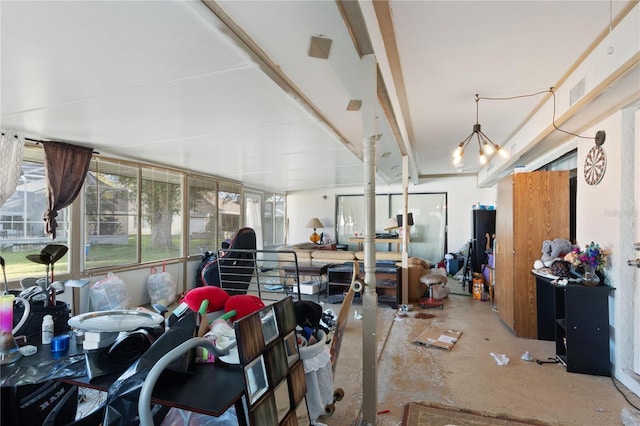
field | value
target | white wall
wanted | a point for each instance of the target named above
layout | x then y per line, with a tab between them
136	281
605	214
462	193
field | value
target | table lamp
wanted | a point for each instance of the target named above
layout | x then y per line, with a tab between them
392	225
314	223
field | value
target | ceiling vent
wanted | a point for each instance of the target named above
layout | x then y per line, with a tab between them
354	105
319	47
577	92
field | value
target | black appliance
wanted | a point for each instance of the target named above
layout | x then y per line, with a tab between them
483	222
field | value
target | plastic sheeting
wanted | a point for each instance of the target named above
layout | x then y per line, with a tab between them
73	366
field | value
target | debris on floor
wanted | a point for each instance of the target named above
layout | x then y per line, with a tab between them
526	357
422	315
435	337
501	359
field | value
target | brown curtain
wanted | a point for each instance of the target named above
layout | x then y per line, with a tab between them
65	167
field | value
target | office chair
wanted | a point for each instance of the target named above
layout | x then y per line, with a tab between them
234	265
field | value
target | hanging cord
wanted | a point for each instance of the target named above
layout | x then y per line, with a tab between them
553	118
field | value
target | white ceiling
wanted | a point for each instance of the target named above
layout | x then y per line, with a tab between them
229	89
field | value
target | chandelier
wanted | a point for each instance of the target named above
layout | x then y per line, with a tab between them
485	145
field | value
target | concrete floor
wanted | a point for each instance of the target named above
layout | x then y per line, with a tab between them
468	376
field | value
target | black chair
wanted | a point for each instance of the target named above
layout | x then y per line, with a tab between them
234	265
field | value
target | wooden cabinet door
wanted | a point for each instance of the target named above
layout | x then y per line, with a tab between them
504	291
540	212
531	207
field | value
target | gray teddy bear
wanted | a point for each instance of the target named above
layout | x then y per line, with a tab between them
553	249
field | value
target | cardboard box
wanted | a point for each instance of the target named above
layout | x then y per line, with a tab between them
312	287
438	338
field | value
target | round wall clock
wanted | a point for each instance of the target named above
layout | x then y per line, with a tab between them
595	165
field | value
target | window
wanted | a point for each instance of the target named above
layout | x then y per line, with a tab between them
428	236
229	209
131	214
115	227
110	215
202	215
274	216
21	224
161	202
253	217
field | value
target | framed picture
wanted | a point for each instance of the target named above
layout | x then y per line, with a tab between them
255	375
277	363
291	348
265	412
269	325
286	315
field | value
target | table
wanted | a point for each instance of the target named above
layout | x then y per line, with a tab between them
310	269
212	390
360	241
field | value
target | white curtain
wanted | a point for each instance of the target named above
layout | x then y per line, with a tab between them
11	146
253	219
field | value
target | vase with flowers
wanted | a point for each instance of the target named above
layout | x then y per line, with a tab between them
591	260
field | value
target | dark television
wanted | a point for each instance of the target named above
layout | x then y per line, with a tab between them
409	219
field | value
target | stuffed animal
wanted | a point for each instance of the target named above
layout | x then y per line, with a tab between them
554	249
560	247
546	253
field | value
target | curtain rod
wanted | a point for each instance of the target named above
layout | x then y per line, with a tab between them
40	142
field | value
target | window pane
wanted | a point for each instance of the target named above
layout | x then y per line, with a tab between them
21	224
274	214
110	215
350	218
279	219
228	210
202	215
253	217
161	195
428	233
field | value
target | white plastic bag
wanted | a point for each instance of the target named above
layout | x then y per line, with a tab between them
161	287
109	294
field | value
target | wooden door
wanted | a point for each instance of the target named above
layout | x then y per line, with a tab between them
504	261
540	212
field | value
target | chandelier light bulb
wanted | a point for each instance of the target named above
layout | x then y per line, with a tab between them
456	160
459	152
483	158
488	148
503	152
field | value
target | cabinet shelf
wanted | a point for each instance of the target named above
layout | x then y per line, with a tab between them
388	279
577	317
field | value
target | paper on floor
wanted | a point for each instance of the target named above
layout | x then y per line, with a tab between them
501	359
444	339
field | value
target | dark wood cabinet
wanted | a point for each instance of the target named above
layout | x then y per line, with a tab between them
483	223
580	324
388	280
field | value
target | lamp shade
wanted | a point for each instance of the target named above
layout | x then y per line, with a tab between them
392	223
314	223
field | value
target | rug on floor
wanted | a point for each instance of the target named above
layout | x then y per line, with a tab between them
434	414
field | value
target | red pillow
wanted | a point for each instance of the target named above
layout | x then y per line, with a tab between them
216	296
